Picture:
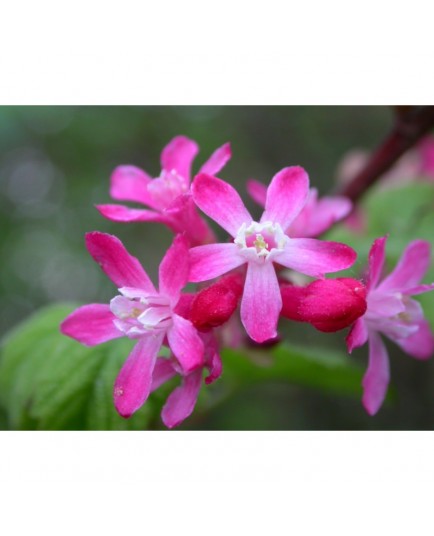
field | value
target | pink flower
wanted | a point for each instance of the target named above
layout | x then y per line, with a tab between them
181	402
138	312
168	195
261	244
317	215
393	313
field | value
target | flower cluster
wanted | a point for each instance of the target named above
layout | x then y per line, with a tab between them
245	277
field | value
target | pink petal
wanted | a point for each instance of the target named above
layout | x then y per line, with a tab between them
257	191
357	336
411	267
320	217
130	183
217	161
216	368
382	304
376	261
124	214
316	257
261	302
186	344
421	344
178	156
91	324
183	212
286	196
376	378
163	372
115	261
419	289
182	400
133	384
174	268
212	260
221	202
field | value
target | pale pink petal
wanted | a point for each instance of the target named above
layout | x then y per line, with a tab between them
163	372
186	344
130	183
174	268
286	196
261	301
420	344
257	191
180	403
376	261
376	378
212	260
411	267
420	289
221	202
357	336
217	161
115	261
91	324
387	305
133	384
178	156
316	257
124	214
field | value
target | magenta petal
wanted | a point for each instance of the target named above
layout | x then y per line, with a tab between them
216	368
130	183
133	384
420	344
178	156
286	196
316	257
124	214
411	267
212	260
261	302
91	324
115	261
163	372
217	161
376	378
221	202
186	344
174	268
257	191
376	261
180	403
385	305
357	336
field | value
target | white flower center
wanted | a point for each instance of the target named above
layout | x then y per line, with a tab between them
261	241
138	314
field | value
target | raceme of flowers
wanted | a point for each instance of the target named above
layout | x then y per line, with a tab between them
246	282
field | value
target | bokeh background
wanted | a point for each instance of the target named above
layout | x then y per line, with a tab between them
55	164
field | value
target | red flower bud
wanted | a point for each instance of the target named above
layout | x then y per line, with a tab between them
214	305
328	304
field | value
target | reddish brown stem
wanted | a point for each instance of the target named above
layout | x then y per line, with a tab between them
412	123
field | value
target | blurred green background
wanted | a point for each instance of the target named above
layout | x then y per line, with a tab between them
55	164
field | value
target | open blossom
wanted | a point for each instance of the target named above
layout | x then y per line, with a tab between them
317	215
391	312
139	312
168	196
261	244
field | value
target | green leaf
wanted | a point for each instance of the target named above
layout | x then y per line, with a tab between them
51	382
310	367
